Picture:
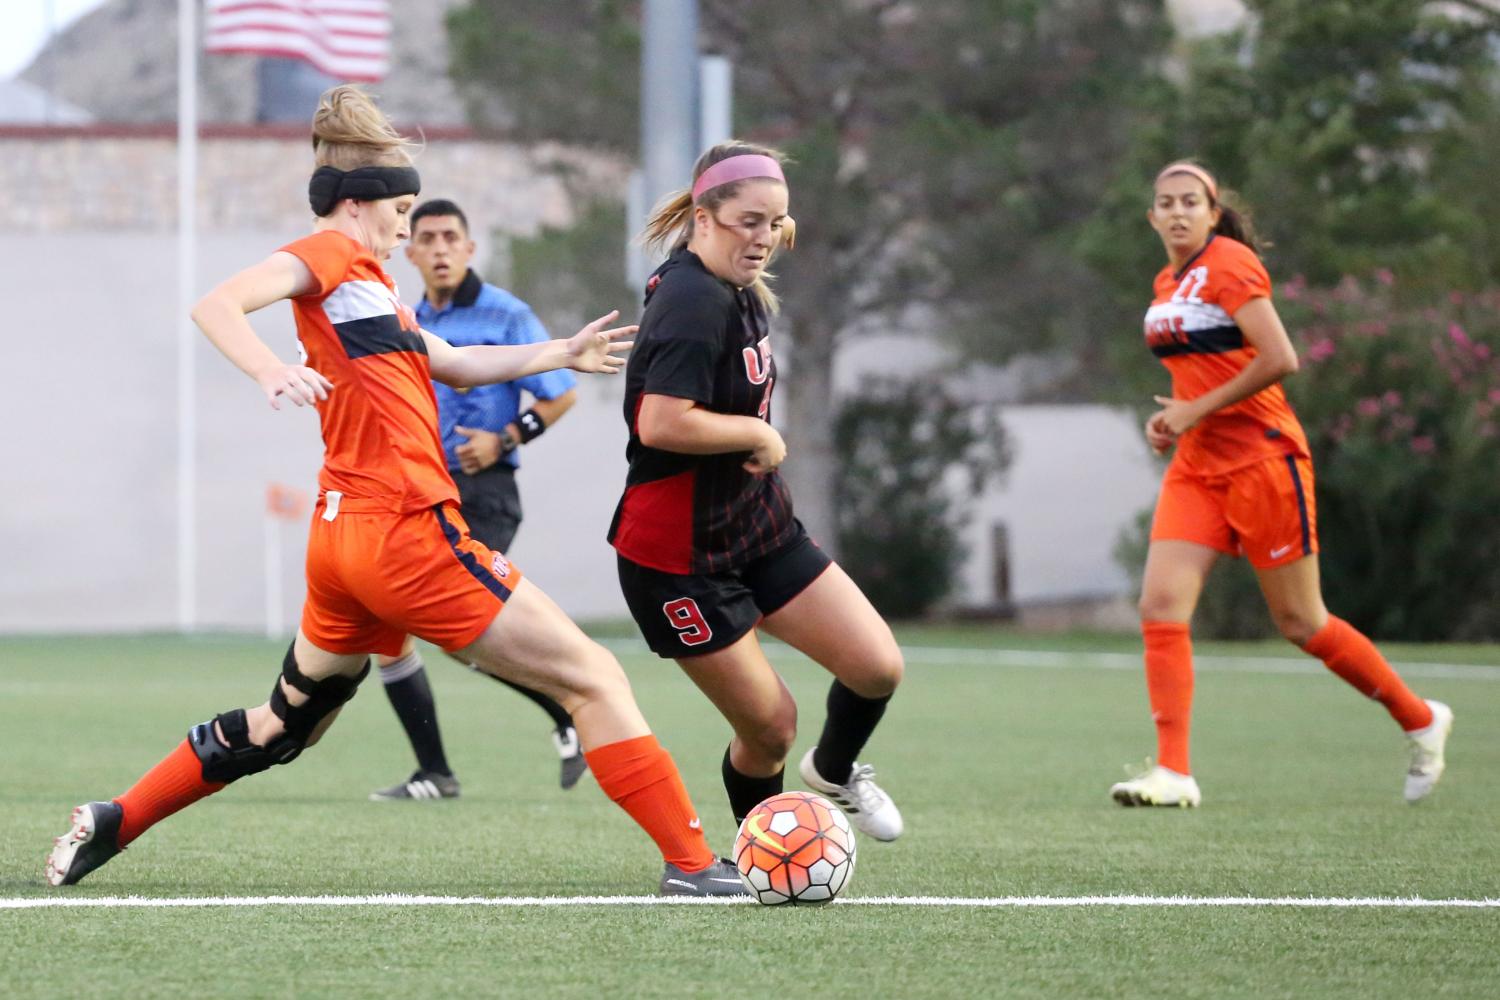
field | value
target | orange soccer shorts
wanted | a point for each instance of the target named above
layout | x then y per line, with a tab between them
375	576
1264	511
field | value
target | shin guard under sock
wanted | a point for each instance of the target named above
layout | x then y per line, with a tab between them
745	791
1349	654
851	720
642	779
1169	683
174	783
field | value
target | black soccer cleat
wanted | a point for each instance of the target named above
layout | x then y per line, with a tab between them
92	840
422	786
565	739
721	878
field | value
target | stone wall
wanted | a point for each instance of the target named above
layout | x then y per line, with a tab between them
122	178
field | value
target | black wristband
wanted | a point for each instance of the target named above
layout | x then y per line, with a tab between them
531	424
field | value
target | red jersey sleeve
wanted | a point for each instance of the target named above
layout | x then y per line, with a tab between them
1239	277
327	255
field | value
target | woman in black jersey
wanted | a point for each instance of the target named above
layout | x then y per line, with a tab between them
709	552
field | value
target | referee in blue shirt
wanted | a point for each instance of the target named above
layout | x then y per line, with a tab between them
483	430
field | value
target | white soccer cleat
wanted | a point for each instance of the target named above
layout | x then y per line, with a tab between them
1427	746
867	805
1160	786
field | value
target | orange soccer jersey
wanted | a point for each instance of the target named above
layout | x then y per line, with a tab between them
380	434
1190	327
389	553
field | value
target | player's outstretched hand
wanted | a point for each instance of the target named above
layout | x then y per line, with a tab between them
595	349
299	383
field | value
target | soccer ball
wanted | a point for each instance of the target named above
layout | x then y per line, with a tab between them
795	848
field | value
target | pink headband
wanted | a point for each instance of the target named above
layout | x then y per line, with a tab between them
737	168
1193	170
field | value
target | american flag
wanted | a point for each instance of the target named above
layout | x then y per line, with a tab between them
347	39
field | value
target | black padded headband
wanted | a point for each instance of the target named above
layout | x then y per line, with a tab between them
329	185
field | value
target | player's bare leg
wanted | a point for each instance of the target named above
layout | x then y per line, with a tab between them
533	643
866	663
752	697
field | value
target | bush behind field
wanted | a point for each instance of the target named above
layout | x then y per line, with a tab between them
1402	406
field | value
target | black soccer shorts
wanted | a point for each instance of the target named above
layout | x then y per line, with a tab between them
683	616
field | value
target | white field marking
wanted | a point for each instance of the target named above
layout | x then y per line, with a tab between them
991	902
1043	659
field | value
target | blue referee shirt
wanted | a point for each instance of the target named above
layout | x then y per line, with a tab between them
480	313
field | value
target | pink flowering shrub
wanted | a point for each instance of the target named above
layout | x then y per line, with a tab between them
1401	403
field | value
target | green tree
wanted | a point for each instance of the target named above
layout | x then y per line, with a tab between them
1346	123
568	71
572	275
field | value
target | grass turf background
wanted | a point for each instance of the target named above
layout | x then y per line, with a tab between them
1001	772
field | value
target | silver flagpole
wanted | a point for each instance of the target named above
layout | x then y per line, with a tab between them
187	252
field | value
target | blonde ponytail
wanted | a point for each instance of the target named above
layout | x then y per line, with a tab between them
671	217
349	131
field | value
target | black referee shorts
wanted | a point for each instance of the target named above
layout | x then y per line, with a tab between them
491	504
682	616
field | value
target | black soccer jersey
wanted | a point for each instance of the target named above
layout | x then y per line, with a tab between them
705	340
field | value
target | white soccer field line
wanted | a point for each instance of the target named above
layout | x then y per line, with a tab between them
1044	659
990	902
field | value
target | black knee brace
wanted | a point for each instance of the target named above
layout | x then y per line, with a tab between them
235	756
324	697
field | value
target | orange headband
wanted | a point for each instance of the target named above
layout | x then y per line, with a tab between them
1192	169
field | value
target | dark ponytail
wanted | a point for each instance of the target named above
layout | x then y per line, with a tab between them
1237	225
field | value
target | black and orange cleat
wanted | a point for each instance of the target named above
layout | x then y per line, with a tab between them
92	840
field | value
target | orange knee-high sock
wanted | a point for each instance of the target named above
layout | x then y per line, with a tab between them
641	779
1346	651
1169	682
175	783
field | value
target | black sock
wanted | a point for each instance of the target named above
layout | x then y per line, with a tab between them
560	717
406	686
745	792
851	720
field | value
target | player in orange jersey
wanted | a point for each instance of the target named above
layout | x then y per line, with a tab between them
1240	481
389	554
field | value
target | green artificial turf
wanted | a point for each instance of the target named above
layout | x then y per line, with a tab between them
1001	769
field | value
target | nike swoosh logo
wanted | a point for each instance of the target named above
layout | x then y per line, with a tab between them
695	824
753	828
1278	553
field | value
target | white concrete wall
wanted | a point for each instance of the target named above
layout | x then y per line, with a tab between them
1078	477
88	451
